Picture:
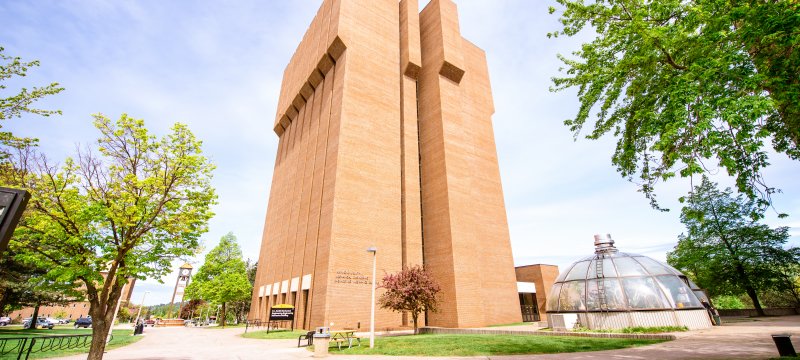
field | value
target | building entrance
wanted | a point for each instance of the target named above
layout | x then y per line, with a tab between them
529	307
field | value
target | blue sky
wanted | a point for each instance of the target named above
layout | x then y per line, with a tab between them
217	67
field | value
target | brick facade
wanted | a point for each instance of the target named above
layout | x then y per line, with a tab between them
385	140
543	276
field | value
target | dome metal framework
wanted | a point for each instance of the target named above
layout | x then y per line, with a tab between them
613	289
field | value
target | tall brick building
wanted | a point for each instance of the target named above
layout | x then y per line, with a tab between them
385	140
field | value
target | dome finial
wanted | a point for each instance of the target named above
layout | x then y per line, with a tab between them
603	244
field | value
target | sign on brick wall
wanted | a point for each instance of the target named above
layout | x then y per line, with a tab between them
351	277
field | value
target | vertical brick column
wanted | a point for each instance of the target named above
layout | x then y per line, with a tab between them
465	231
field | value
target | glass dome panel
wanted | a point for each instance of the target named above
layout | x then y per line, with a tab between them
608	269
564	273
578	271
700	296
674	270
613	292
681	295
626	266
692	285
552	301
572	295
652	266
644	293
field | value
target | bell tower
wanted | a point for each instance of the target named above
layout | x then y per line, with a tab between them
184	274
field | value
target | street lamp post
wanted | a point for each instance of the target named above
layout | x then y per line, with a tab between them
139	313
374	252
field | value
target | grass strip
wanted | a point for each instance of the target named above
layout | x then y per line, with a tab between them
482	345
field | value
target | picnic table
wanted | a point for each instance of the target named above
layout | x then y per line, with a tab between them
342	336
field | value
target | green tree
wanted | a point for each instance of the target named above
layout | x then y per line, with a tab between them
125	314
222	278
22	102
60	314
727	302
125	210
26	285
413	290
684	84
241	308
726	249
160	310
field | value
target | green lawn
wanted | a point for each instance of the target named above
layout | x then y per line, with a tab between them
483	345
274	334
121	338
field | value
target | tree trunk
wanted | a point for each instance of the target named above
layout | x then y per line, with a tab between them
223	315
753	296
102	311
748	287
414	317
34	317
100	329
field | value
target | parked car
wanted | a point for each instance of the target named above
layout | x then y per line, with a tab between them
40	323
150	322
5	320
55	321
84	322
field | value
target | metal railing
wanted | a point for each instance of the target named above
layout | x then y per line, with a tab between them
256	323
23	347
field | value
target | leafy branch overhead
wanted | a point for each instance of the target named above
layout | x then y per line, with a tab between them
687	87
17	104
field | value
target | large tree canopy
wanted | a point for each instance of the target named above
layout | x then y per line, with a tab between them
124	211
222	278
684	84
727	251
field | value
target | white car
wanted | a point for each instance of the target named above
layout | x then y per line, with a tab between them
53	321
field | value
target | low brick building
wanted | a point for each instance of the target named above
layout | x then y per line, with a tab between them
534	283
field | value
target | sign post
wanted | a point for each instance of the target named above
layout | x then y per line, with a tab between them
12	204
281	312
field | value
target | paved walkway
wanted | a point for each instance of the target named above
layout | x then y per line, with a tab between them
746	339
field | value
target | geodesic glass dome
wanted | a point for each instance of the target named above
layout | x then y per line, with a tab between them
611	280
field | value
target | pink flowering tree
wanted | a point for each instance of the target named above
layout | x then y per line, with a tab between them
413	290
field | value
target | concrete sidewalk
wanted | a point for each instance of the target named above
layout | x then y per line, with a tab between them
743	339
